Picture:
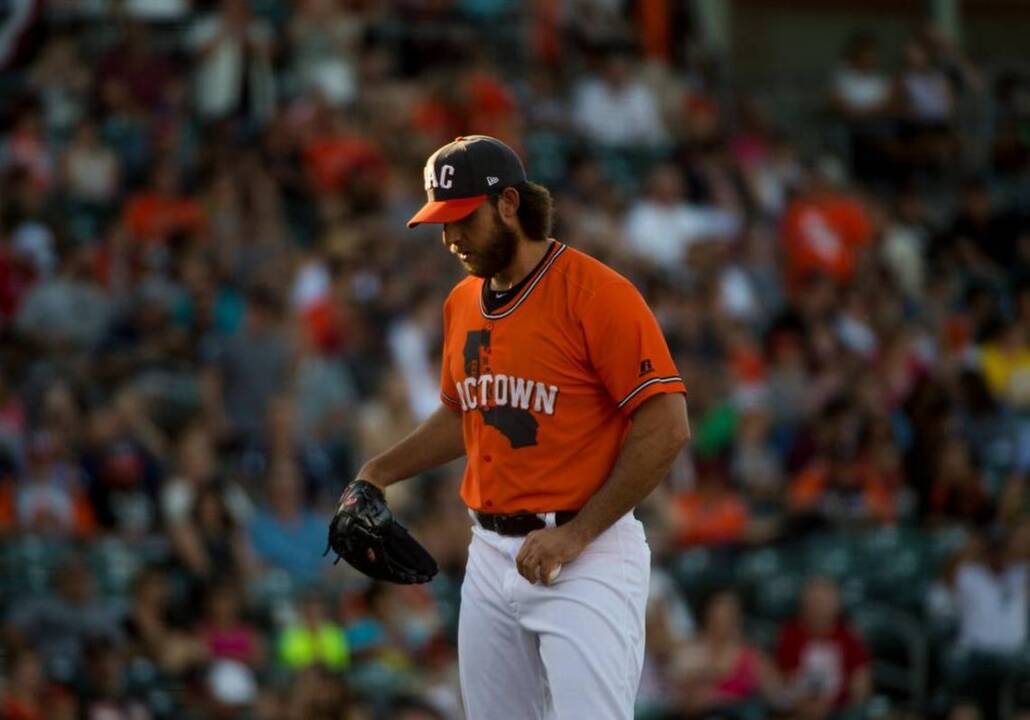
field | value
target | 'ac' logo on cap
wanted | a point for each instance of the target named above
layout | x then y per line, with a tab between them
445	179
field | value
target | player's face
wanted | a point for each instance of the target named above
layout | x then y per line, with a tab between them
483	244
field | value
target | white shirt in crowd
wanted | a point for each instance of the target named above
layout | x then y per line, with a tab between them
861	91
663	233
409	348
618	115
220	73
992	608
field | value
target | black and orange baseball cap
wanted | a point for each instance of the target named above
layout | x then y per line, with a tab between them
461	175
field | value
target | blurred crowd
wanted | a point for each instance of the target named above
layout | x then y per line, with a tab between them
212	313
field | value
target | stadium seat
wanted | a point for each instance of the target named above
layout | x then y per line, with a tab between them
830	555
899	577
777	599
114	564
899	647
699	571
27	562
941	544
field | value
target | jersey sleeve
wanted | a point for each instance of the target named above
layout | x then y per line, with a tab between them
626	347
448	391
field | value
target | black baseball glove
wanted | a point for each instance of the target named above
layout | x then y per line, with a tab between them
365	534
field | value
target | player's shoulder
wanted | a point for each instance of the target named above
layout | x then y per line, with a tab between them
589	276
465	289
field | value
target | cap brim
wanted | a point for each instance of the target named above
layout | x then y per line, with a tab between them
445	211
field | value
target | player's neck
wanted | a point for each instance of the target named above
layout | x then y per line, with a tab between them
527	255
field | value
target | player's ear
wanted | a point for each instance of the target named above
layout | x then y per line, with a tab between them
508	205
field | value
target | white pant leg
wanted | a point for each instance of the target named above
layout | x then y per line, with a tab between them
590	623
502	676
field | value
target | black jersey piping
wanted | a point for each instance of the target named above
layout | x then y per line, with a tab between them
529	289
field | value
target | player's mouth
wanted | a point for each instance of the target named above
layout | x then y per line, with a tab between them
463	256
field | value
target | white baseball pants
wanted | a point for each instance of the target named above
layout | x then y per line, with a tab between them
572	650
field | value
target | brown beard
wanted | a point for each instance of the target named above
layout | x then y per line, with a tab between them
499	251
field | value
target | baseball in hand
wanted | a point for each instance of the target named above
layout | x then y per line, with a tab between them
554	574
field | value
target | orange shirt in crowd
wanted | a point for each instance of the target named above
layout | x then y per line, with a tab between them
482	102
15	709
491	107
154	217
332	161
711	516
812	482
547	382
823	235
654	26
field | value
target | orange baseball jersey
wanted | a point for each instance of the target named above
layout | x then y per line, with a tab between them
547	382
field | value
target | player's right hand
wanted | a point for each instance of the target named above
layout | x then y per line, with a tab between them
545	551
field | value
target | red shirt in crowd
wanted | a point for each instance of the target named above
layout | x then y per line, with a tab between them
16	278
823	663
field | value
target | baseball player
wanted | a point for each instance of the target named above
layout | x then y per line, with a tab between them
558	387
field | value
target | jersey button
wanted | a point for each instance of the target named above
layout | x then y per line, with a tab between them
489	503
487	458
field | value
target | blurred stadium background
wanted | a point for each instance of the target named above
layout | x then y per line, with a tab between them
211	313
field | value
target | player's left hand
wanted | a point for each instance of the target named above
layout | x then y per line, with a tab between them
543	551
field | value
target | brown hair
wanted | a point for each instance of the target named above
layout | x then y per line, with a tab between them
535	210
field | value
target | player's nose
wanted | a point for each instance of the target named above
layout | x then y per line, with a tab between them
450	244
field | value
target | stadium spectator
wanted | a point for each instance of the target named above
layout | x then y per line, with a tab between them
616	109
861	89
927	106
662	227
90	171
233	51
136	68
862	96
669	625
839	489
230	690
314	639
719	672
68	311
992	608
164	210
958	491
106	692
284	531
154	630
23	695
713	513
248	370
825	230
204	515
50	497
224	631
62	624
825	664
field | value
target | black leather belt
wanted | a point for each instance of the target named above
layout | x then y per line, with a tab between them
520	524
